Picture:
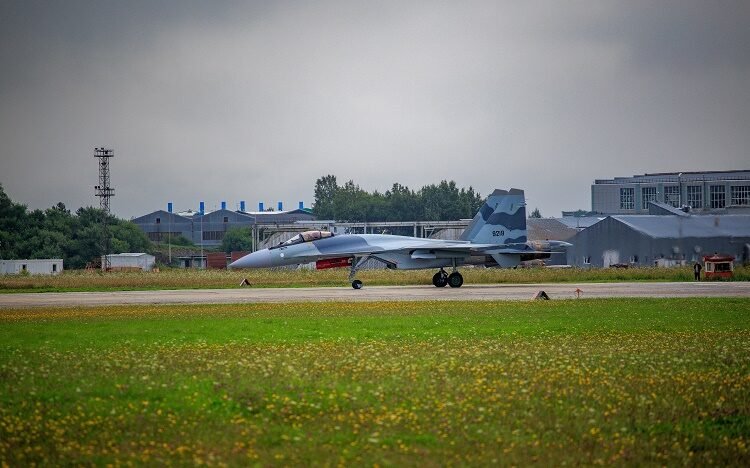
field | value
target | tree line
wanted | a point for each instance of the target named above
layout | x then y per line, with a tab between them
348	202
58	233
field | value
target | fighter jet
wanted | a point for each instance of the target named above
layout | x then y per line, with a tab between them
496	237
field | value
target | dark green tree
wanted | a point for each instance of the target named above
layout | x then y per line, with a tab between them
127	237
349	202
535	213
326	189
237	238
12	224
56	233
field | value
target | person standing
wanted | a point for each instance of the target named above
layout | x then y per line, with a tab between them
697	270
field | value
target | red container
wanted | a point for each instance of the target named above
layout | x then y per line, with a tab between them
718	266
333	263
216	260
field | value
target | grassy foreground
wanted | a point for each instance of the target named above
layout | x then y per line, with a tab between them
198	279
562	382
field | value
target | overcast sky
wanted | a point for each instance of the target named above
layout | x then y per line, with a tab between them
255	100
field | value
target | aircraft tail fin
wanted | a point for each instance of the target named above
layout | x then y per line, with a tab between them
501	220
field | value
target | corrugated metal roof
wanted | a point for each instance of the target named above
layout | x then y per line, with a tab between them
677	177
675	227
548	229
659	208
580	222
129	254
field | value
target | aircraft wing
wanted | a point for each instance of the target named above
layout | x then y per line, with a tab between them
439	249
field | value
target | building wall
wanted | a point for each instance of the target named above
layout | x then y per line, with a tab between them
158	224
33	266
611	241
209	230
691	189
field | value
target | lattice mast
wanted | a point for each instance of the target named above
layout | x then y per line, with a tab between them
104	192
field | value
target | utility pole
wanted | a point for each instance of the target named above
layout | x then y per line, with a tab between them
104	192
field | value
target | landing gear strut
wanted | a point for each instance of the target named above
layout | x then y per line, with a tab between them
356	265
442	279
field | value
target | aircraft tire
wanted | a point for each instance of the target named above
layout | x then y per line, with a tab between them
357	284
439	279
455	280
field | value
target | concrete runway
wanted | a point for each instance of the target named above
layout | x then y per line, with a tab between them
375	293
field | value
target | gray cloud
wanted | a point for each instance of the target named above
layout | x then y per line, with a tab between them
253	101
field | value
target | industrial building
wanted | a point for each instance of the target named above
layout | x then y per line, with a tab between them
37	266
208	228
662	240
720	192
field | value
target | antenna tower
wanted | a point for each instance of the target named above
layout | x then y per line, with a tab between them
104	192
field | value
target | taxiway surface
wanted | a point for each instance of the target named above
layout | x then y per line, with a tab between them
377	293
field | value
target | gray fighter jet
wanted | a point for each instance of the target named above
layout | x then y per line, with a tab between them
496	237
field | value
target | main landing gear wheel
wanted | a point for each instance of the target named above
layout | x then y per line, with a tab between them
440	279
455	280
357	284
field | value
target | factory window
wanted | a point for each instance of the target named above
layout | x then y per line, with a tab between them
587	260
740	195
213	235
695	196
156	236
627	198
226	219
158	220
672	195
648	194
718	196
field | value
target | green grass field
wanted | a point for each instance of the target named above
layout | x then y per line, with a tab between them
196	279
631	381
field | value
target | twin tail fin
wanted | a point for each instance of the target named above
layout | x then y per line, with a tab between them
501	220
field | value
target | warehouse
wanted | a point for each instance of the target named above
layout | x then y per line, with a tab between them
647	240
37	266
208	229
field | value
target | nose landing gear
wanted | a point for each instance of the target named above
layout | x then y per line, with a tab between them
357	263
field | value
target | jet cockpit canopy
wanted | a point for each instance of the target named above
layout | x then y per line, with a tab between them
307	236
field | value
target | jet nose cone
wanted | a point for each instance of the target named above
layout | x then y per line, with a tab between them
259	259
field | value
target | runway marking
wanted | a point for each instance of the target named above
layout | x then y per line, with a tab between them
484	292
